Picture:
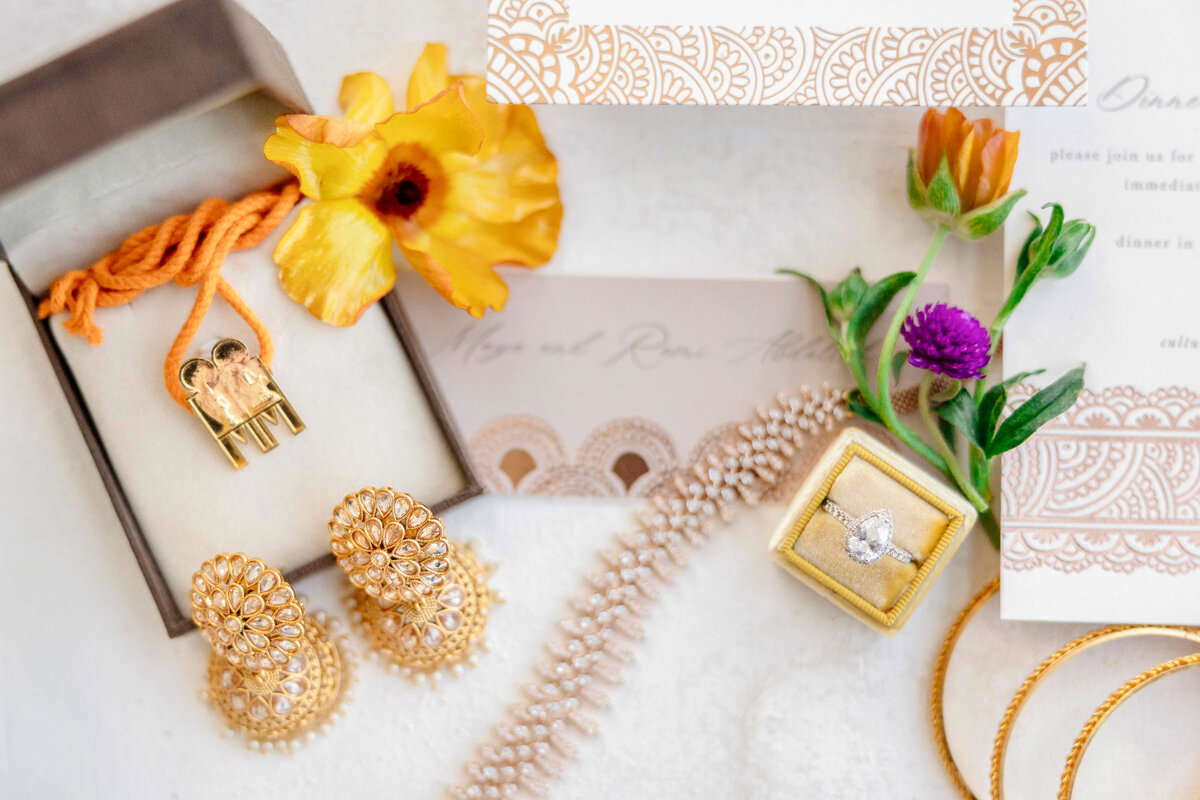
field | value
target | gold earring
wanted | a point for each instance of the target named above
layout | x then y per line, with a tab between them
422	599
275	674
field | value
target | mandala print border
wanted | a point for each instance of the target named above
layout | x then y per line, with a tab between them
1114	484
536	56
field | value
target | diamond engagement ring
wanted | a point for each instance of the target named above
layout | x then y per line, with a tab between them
868	538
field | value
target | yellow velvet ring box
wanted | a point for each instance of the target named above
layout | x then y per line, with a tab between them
860	474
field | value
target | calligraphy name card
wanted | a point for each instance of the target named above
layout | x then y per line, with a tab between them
604	386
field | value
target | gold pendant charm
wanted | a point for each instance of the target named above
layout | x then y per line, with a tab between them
422	599
235	397
275	673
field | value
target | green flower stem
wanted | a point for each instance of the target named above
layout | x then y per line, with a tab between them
857	364
956	471
991	526
997	329
981	477
883	378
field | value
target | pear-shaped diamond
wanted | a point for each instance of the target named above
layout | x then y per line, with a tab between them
868	539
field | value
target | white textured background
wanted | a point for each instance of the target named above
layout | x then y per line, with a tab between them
748	686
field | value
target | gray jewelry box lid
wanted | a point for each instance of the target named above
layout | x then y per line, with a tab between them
186	56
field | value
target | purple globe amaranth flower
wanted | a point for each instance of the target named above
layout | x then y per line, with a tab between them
948	341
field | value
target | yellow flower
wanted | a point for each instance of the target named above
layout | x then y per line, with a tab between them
459	184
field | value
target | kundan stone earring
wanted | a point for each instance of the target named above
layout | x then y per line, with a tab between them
275	674
422	599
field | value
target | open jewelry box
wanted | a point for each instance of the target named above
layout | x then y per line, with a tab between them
143	124
863	479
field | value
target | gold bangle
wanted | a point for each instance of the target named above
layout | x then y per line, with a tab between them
1067	783
1064	653
1055	660
939	685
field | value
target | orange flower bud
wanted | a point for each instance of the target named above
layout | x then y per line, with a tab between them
981	156
979	160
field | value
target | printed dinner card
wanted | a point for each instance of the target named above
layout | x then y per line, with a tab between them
1101	508
789	52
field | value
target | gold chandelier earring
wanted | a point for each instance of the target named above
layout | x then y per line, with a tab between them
276	674
422	599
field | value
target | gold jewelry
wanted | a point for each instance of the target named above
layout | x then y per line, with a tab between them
1067	783
275	673
422	599
235	397
1021	696
1053	662
937	704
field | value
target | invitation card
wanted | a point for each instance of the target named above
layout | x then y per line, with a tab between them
798	52
1101	508
605	386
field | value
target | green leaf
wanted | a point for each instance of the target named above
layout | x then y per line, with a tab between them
980	467
856	405
941	192
1035	255
986	220
916	189
816	284
873	304
1019	377
898	362
1070	249
947	430
960	413
991	405
1023	258
846	296
1036	412
1041	248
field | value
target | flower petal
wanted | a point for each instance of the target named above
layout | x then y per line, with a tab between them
336	260
464	278
429	75
929	145
442	126
529	241
997	161
311	151
365	97
965	168
330	130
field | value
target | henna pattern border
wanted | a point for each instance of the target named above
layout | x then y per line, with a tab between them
535	55
1114	484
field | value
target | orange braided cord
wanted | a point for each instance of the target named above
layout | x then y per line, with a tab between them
1067	783
188	249
937	703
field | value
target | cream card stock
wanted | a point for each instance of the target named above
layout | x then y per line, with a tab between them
1102	507
770	52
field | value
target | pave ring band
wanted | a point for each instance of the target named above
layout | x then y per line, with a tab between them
868	538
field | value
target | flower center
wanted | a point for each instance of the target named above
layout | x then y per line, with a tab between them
405	193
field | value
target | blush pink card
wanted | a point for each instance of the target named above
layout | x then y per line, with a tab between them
605	386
